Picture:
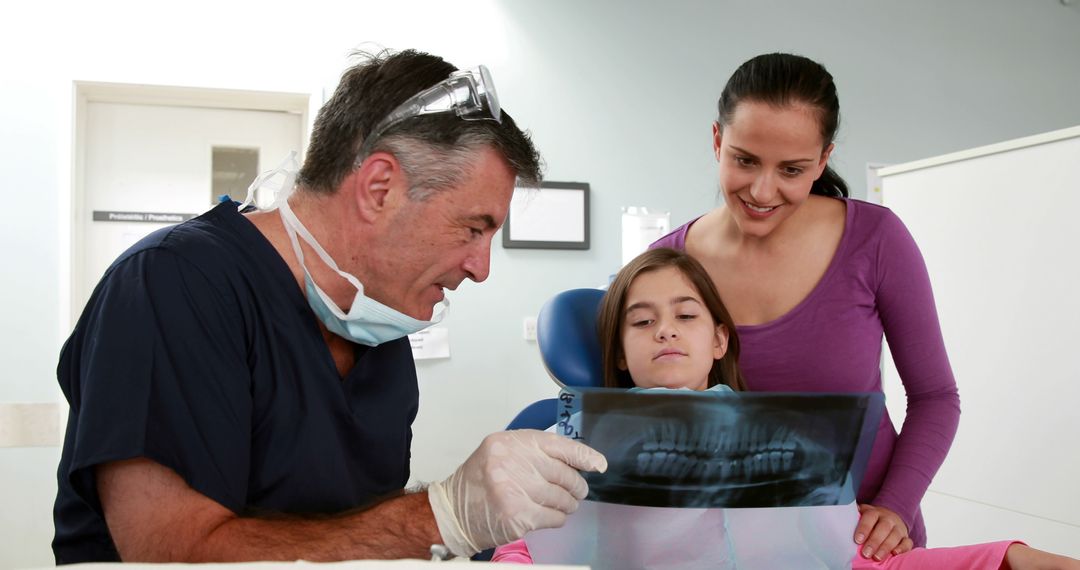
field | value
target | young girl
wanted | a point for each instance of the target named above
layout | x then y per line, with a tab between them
662	325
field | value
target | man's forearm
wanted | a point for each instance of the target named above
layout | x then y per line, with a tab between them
402	527
154	516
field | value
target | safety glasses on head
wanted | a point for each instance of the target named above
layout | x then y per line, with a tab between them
470	93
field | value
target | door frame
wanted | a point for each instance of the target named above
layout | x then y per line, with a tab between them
85	92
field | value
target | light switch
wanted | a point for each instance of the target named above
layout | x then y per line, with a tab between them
30	425
529	329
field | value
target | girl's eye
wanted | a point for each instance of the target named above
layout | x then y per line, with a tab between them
687	317
744	161
641	323
792	171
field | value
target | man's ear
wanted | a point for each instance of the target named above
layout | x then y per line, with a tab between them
372	183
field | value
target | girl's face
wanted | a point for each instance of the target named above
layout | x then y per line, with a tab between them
669	338
769	158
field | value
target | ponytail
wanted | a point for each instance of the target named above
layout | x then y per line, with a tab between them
830	184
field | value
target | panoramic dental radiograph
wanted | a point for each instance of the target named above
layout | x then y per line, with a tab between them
698	450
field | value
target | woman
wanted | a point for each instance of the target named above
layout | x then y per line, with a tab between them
814	280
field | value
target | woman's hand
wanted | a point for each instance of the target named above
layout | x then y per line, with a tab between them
881	532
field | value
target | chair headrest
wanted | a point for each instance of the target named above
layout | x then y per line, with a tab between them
566	335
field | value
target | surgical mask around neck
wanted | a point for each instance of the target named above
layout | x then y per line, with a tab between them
368	321
287	170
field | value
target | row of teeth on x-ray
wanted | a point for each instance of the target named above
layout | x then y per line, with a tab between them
671	449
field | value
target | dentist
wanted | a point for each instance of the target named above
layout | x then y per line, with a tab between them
241	384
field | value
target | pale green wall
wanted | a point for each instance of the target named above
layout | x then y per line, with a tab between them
617	93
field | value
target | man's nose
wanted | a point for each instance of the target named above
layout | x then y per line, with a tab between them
478	264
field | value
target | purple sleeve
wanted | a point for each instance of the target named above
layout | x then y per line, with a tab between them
908	315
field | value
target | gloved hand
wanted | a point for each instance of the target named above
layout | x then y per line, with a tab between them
516	481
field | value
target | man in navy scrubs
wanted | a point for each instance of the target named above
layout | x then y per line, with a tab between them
241	387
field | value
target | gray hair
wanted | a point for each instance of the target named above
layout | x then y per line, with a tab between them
434	168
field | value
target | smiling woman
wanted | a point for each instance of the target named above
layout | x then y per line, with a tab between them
769	155
814	280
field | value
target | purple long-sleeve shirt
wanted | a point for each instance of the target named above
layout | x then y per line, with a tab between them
875	284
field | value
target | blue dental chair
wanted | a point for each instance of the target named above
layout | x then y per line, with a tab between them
569	349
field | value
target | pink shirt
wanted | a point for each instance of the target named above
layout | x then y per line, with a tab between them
876	284
987	556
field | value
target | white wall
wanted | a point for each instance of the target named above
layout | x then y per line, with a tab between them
1005	272
618	94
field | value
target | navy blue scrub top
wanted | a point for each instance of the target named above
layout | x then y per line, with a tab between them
198	351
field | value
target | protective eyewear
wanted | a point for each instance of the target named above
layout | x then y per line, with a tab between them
470	93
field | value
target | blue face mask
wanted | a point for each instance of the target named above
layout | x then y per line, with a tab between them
368	321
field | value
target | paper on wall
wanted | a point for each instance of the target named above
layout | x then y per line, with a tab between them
433	342
640	227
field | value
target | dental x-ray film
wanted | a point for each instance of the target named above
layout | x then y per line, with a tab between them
619	537
723	450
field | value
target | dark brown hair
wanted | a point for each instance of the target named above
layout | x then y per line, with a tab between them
782	79
613	307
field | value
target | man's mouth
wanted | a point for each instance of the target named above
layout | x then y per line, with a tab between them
448	286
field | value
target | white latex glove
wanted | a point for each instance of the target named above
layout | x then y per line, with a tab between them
516	481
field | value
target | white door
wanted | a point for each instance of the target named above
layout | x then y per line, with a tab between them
152	162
